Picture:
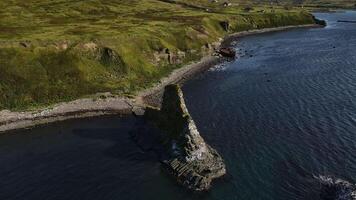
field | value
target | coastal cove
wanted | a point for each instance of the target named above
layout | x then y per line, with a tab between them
253	110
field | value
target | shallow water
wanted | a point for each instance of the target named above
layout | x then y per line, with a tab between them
283	112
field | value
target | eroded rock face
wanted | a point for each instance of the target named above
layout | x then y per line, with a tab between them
105	55
225	25
167	56
193	162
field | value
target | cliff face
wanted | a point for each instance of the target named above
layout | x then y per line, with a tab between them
192	161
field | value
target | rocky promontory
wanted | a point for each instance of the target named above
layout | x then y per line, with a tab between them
191	160
334	188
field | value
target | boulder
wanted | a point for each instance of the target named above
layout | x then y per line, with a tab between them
319	21
191	160
334	188
227	52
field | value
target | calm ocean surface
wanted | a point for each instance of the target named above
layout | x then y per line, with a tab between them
281	113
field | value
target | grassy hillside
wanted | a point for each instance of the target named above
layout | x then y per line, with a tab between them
307	4
59	50
329	4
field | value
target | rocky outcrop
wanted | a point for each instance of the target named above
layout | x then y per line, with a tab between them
225	25
319	21
336	189
166	56
105	55
191	160
227	52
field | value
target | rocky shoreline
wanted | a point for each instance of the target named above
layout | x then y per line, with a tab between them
81	108
116	105
153	96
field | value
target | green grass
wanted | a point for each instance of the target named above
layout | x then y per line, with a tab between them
47	53
308	4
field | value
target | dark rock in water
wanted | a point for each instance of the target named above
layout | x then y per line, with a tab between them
319	21
193	162
227	52
336	189
347	21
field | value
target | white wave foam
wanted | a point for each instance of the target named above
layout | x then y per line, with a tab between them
336	188
219	67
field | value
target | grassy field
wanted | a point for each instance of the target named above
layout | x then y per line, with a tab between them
307	4
60	50
330	4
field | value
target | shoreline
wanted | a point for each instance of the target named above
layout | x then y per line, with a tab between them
151	96
115	105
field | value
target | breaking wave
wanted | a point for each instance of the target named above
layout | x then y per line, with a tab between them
336	189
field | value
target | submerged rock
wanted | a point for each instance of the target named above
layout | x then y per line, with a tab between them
191	160
347	21
336	189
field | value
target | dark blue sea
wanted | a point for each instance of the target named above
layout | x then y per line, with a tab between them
280	115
